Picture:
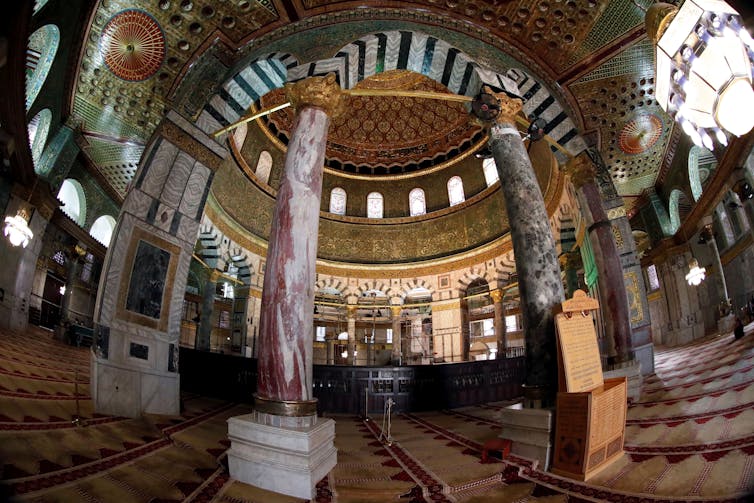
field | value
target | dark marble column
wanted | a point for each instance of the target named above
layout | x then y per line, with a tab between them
397	357
204	330
571	263
351	328
612	291
499	322
284	384
534	247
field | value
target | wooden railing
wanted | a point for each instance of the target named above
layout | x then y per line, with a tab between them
346	389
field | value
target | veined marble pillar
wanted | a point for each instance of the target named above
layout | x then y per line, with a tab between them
204	330
534	249
397	357
282	446
613	298
499	322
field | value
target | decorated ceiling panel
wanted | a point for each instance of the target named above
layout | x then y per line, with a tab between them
143	57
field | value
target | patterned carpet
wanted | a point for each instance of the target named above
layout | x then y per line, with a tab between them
689	438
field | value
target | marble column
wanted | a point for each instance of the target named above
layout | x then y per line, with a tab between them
612	290
709	237
499	322
282	446
395	312
73	263
204	330
534	248
351	329
571	264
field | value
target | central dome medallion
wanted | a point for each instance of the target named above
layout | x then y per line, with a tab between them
390	135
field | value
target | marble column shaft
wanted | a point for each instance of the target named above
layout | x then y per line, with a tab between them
534	248
204	330
397	343
612	291
285	364
499	322
351	328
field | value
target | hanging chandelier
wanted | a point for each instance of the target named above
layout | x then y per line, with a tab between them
704	58
696	274
17	228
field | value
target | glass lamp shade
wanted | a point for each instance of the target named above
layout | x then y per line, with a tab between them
17	229
704	70
696	274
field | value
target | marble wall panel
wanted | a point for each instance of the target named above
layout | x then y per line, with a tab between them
156	172
177	179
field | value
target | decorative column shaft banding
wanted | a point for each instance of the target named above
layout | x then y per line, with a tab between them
534	248
285	364
612	291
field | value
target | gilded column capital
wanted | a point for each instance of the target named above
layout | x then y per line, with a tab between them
509	107
214	275
321	92
351	311
396	310
497	295
581	170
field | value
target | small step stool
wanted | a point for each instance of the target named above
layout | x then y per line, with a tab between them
501	445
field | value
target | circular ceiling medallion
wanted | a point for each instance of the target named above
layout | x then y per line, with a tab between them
640	134
133	45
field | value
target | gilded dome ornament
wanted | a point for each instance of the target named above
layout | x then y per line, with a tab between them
133	45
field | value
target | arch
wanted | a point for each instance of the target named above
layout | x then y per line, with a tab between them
405	50
678	208
417	202
338	200
264	166
253	81
40	53
455	191
102	229
490	171
71	194
701	163
39	129
238	267
375	205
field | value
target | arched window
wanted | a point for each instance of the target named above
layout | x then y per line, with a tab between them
455	191
43	44
264	166
417	203
338	201
38	4
102	229
490	171
39	128
374	205
74	202
239	135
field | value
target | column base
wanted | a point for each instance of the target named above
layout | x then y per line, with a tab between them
281	459
726	324
632	372
530	431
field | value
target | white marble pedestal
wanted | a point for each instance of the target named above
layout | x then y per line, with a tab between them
282	459
634	380
530	432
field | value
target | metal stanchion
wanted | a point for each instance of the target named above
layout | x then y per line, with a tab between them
386	418
76	421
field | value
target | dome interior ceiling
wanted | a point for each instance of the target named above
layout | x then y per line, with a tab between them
592	55
384	134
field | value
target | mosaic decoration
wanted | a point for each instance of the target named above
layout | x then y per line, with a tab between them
43	45
133	45
640	134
